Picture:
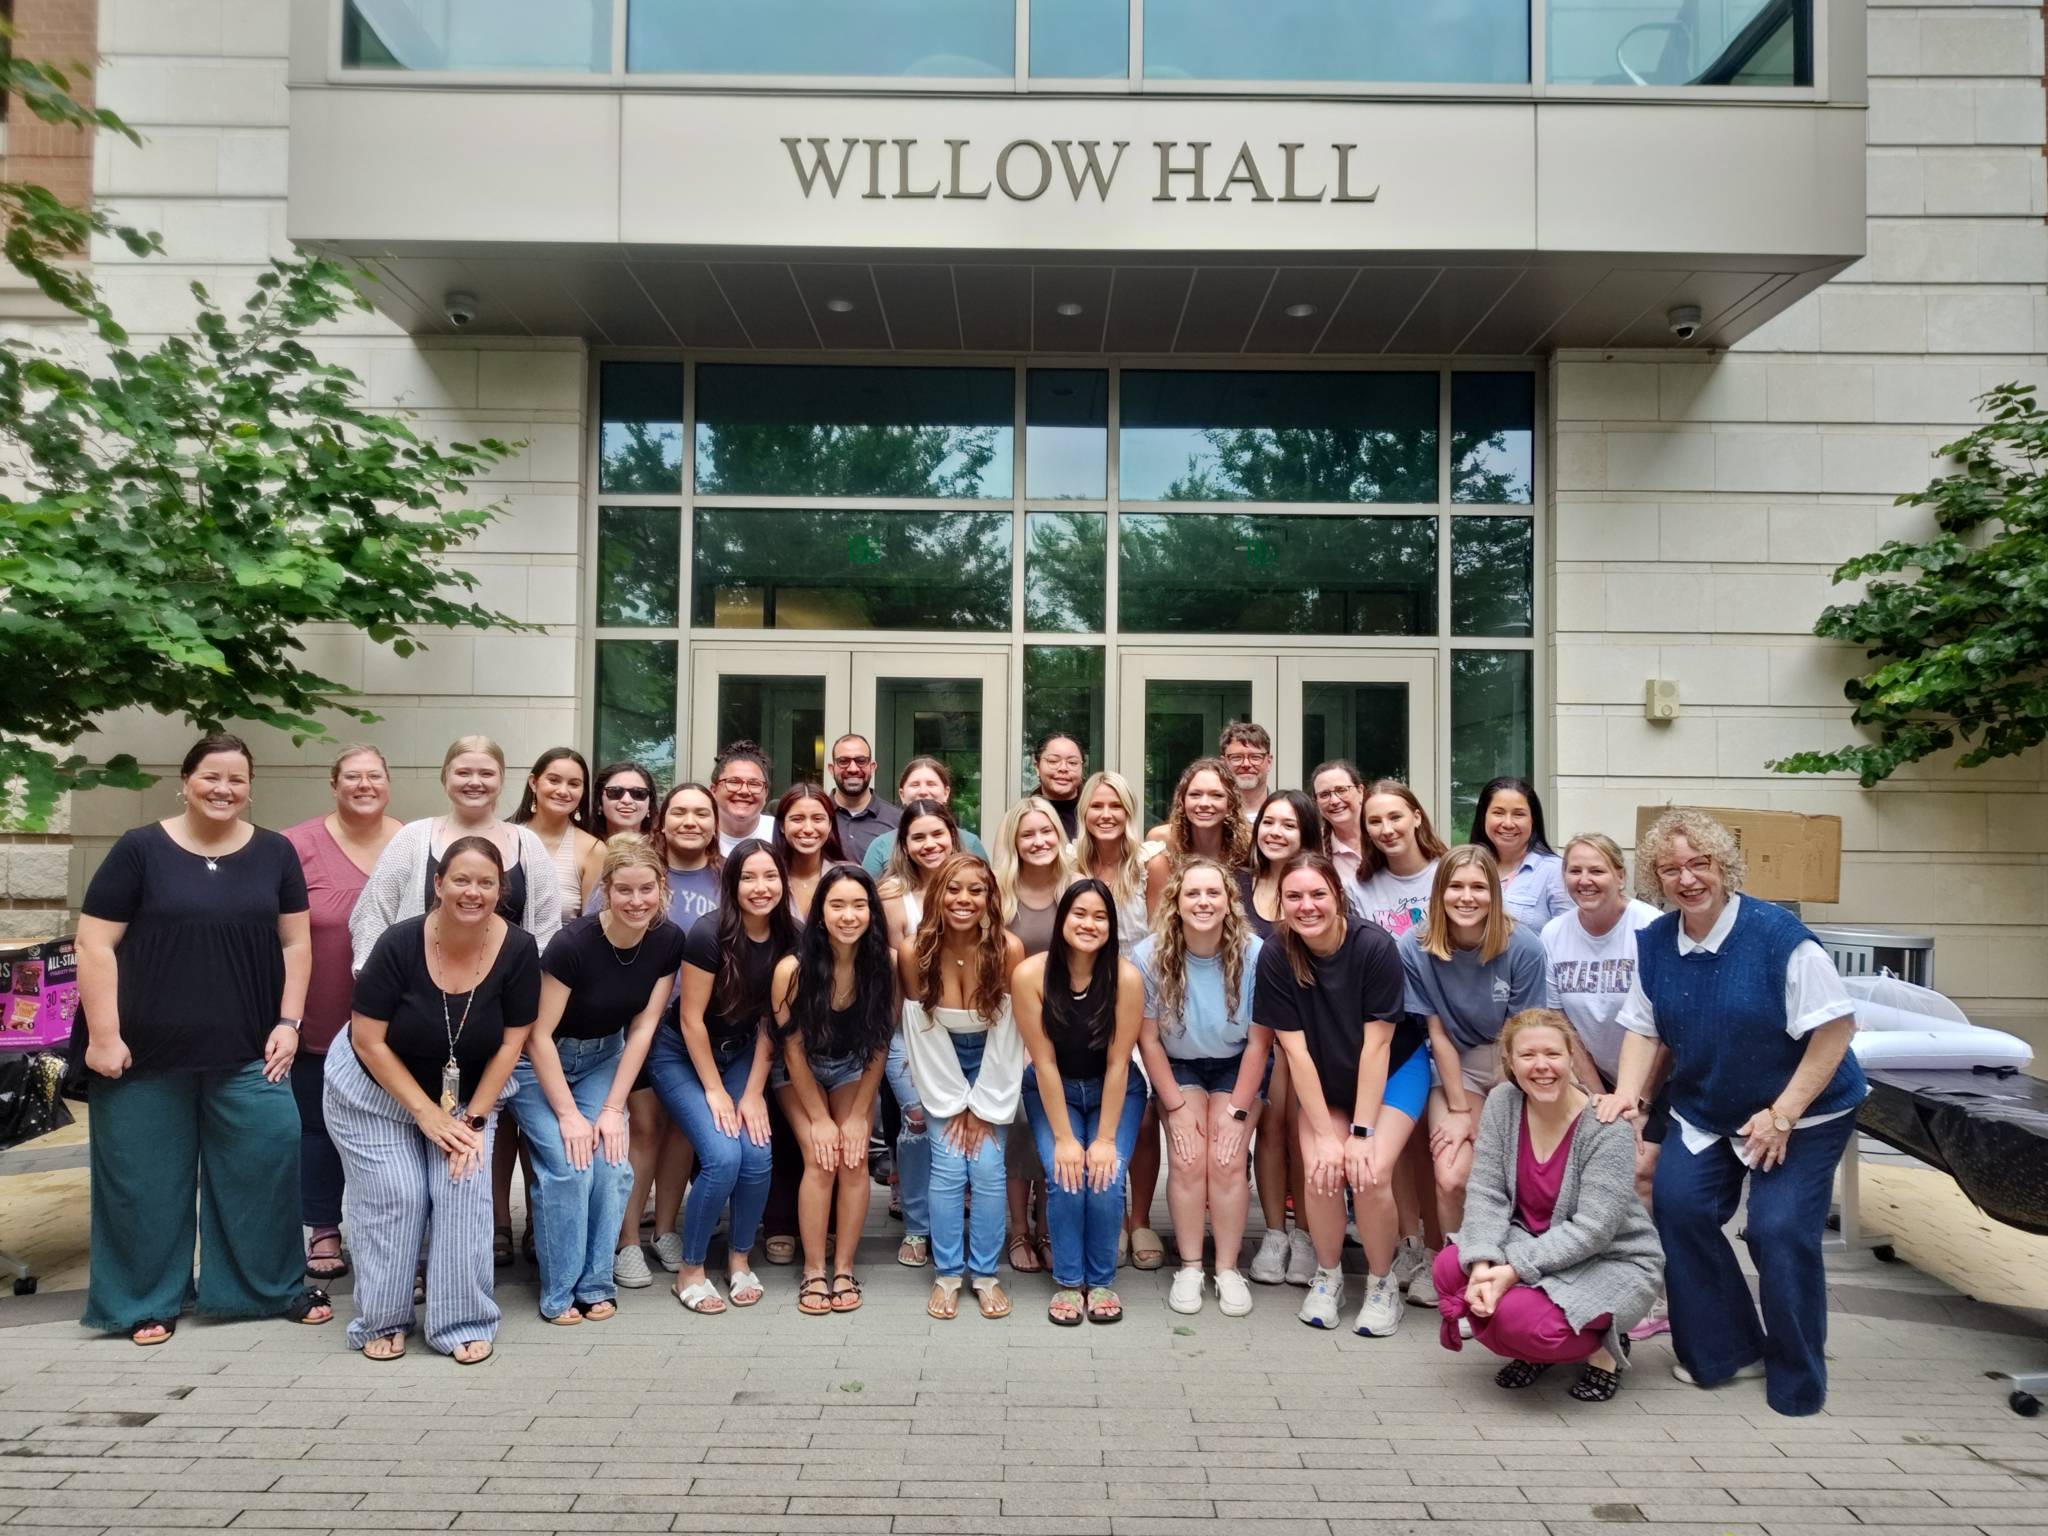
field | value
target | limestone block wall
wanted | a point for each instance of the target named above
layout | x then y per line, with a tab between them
1700	503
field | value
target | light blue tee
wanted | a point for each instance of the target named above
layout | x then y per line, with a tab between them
1206	1030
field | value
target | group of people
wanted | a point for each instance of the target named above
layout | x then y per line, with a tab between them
1470	1060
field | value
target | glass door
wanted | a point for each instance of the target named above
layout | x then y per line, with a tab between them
792	702
1174	705
1378	711
952	705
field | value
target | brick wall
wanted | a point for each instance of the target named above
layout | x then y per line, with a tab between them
63	33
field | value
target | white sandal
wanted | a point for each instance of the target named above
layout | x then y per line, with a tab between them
694	1296
744	1280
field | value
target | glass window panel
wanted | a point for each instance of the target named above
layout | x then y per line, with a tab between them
1066	434
636	704
1066	572
639	567
1492	730
1663	42
933	717
785	715
1236	573
1063	690
820	431
640	446
1081	39
1366	723
477	34
1183	718
843	569
944	38
1493	437
1247	436
1461	41
1493	576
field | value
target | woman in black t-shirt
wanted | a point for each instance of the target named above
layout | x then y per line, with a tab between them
442	1008
605	981
193	955
1331	990
711	1067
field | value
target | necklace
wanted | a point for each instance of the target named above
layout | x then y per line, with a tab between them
451	1072
608	944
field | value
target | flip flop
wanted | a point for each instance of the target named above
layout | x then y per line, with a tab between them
814	1296
489	1353
741	1281
396	1354
845	1292
590	1311
696	1295
568	1317
991	1300
945	1301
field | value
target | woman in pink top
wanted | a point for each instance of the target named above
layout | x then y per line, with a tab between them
337	852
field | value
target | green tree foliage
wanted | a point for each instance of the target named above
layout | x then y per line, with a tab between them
175	515
836	460
1958	624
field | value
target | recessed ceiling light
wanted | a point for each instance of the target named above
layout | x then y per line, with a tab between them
1069	309
840	306
1298	311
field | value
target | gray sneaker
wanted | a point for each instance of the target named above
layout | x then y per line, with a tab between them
1381	1314
1269	1264
668	1251
1301	1258
629	1268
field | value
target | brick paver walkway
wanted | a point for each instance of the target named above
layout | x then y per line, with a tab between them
767	1421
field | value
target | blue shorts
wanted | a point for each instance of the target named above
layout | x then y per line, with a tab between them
830	1071
1215	1074
1408	1085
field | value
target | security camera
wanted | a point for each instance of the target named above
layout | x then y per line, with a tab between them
460	308
1684	321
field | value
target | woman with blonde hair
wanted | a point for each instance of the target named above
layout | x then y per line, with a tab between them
1398	868
1468	968
1110	849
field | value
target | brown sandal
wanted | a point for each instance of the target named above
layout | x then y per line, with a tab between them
1023	1255
845	1292
814	1296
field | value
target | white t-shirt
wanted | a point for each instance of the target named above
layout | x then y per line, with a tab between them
764	829
1590	977
1397	902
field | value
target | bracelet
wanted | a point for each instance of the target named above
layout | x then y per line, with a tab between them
1174	1109
609	1107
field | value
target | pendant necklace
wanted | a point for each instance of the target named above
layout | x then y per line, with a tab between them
451	1071
608	944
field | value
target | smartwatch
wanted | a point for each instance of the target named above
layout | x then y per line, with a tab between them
294	1025
1235	1113
1360	1131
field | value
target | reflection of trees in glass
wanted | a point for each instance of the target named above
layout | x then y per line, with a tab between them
640	457
1340	464
636	703
1063	689
1254	574
1490	726
831	460
1485	468
639	566
820	569
1492	560
1066	571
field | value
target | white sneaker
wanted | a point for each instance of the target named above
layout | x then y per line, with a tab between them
1422	1291
1186	1295
1301	1258
1233	1296
668	1250
1381	1314
629	1268
1749	1372
1408	1262
1325	1299
1269	1264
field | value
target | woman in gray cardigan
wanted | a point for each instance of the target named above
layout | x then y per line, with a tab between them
1557	1259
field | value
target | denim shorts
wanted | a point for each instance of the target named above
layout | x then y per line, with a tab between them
1215	1074
830	1071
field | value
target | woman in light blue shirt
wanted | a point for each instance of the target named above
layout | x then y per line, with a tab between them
1508	823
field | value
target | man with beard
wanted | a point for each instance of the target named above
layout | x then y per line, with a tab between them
862	814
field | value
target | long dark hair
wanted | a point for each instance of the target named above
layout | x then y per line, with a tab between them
1092	1015
1306	816
580	817
730	993
470	844
605	775
830	852
874	974
1539	842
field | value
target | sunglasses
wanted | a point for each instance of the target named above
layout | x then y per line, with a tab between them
627	792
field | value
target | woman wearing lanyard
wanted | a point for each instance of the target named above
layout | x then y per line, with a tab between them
605	981
1508	823
835	1009
443	1005
1468	968
336	854
1330	990
1198	966
1763	1092
712	1069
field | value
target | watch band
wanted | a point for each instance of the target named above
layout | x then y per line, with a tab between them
1235	1113
294	1024
1360	1130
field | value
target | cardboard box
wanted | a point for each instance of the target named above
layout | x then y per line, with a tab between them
38	993
1791	857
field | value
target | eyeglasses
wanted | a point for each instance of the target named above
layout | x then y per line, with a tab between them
1333	794
851	762
1245	759
627	792
1061	762
747	786
1697	868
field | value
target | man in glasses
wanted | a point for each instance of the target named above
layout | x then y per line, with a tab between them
862	814
1247	751
739	786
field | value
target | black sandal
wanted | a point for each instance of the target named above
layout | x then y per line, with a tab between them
501	1247
301	1309
168	1324
1518	1373
419	1286
1596	1384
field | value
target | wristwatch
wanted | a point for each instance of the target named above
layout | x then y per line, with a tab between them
292	1024
474	1122
1778	1121
1360	1130
1235	1113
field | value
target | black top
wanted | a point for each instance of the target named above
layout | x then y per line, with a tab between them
1079	1059
1264	927
1068	811
201	966
511	891
1361	981
608	985
842	1034
394	986
731	1033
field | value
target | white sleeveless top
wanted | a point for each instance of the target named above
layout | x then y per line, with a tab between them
941	1086
568	870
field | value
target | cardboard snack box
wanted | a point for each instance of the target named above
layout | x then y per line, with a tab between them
1791	857
38	993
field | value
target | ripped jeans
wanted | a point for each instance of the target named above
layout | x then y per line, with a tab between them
913	1146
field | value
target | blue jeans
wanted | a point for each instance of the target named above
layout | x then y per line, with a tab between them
1085	1223
951	1173
320	1175
1714	1326
913	1147
576	1214
729	1168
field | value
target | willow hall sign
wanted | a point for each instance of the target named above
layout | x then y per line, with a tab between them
1023	170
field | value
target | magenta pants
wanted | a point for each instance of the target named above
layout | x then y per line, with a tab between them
1527	1325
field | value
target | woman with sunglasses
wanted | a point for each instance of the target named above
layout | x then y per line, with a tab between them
622	801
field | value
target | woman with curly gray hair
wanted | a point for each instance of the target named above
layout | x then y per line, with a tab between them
1762	1089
